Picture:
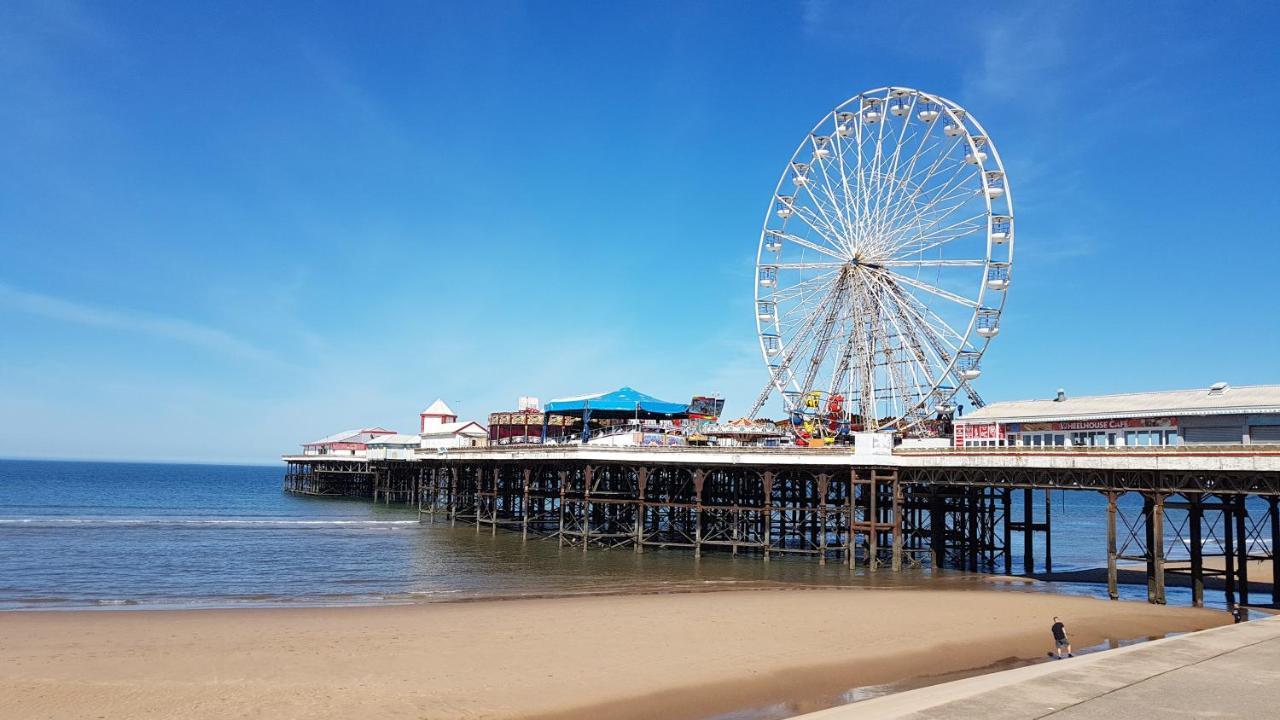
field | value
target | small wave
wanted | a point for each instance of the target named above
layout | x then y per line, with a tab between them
42	600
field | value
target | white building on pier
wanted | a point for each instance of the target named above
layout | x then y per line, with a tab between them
441	429
393	447
1220	414
349	443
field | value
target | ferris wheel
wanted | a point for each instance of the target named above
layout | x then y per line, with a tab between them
883	263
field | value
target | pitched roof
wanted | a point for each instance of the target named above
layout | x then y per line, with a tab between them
352	436
454	428
1197	401
439	408
344	436
394	439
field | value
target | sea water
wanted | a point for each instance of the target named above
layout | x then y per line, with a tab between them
104	535
95	534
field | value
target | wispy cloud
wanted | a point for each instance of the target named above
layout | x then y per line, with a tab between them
158	326
1022	56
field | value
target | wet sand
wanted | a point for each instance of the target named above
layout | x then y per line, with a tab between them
1177	574
675	656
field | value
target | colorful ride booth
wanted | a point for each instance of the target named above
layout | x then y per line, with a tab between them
819	420
745	432
623	417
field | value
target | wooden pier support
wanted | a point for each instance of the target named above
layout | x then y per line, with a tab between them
1153	527
1273	518
1228	554
1157	550
1029	527
1242	546
875	516
1195	518
1113	590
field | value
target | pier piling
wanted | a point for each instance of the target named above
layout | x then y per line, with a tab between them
819	504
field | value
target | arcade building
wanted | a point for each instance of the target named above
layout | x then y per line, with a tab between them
1217	415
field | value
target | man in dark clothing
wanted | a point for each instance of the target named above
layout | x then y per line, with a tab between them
1060	639
1238	613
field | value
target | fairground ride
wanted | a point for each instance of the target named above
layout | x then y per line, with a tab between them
883	266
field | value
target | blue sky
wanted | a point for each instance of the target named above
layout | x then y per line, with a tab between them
229	229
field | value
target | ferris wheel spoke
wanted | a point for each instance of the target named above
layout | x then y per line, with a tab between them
794	347
824	336
937	237
894	388
818	281
846	192
934	263
934	343
819	224
924	208
930	320
797	240
944	200
808	265
889	172
945	341
912	348
860	170
795	315
960	171
834	230
846	230
877	176
922	199
921	285
899	192
927	216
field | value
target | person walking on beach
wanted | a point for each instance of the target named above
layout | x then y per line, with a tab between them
1238	613
1060	639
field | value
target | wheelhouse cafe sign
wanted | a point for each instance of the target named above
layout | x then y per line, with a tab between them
1103	424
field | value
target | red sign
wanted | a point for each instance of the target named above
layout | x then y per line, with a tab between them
966	432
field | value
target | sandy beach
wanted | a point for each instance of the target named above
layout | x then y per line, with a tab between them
677	655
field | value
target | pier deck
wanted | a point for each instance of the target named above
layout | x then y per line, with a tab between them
874	507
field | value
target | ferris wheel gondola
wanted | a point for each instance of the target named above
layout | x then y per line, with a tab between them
884	261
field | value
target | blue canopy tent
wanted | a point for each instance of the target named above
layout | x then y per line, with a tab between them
621	404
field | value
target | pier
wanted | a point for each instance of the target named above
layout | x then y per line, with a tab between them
876	507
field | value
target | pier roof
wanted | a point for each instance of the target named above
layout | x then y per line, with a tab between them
351	436
623	402
1218	400
454	428
394	439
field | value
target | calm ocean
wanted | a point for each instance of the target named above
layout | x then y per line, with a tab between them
94	534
